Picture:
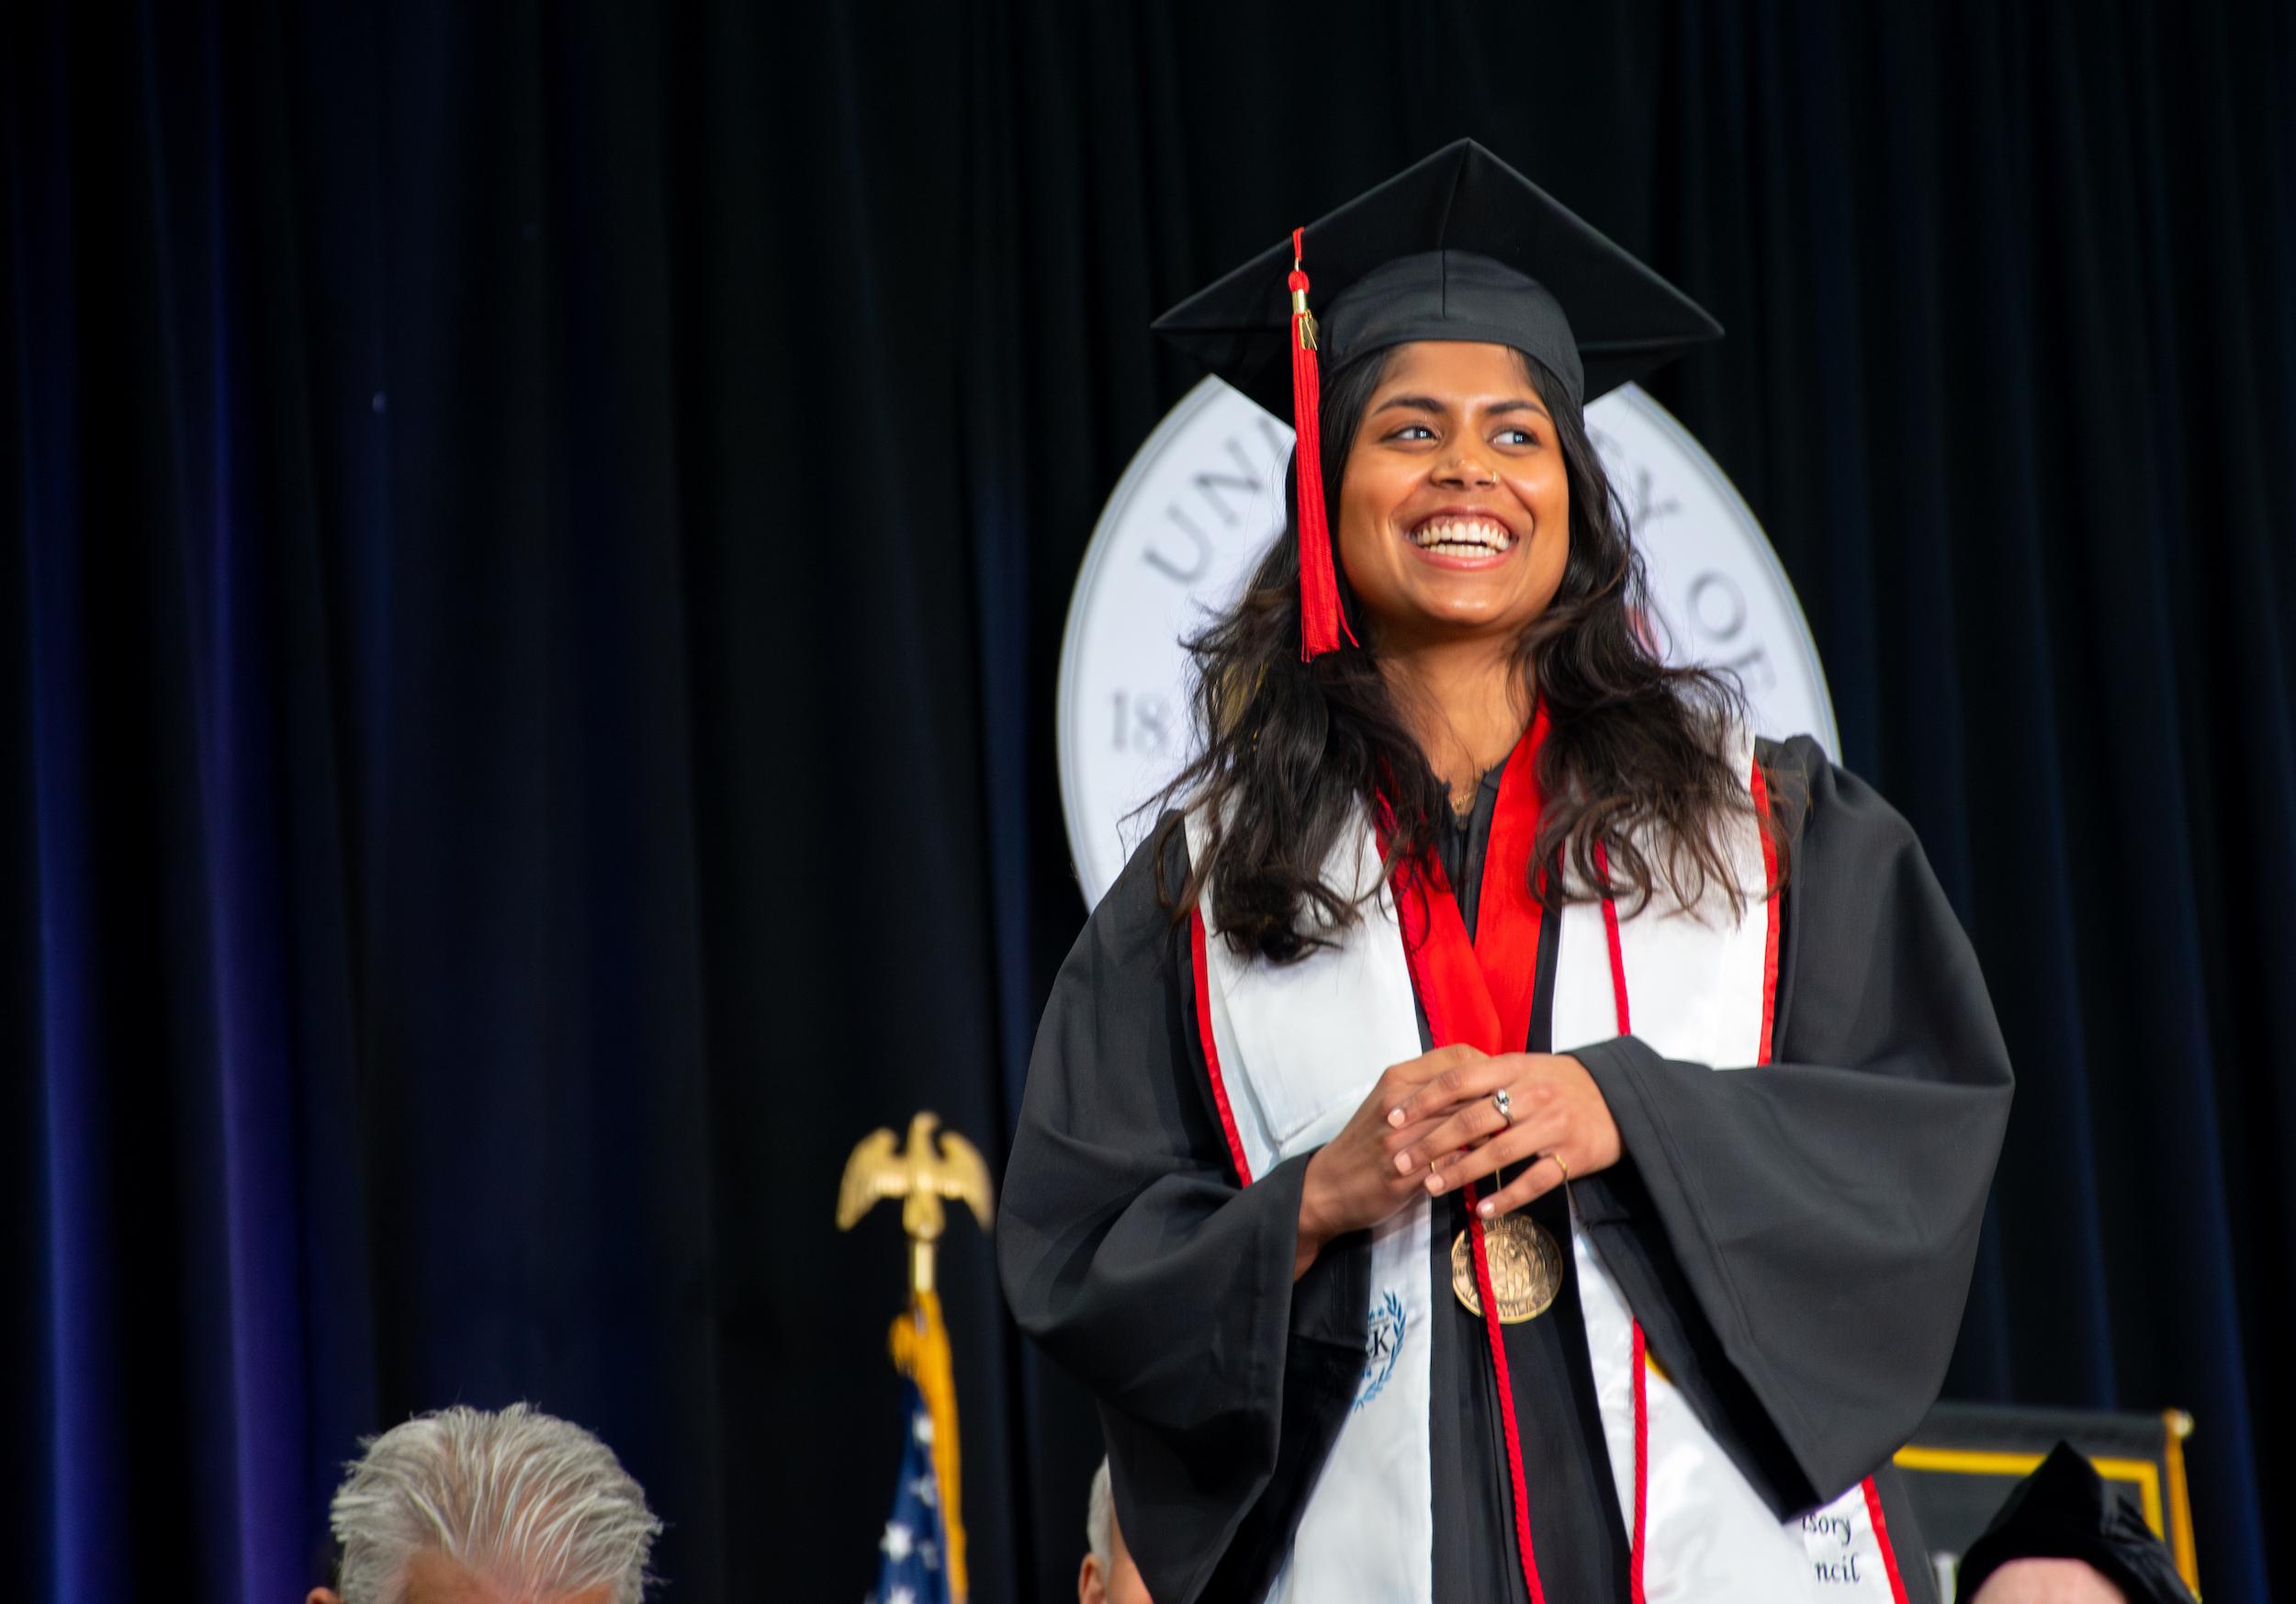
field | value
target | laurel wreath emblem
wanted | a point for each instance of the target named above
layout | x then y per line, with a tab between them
1383	1339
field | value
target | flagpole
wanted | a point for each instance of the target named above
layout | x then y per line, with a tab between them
923	1173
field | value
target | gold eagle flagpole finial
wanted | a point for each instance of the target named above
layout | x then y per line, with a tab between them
923	1173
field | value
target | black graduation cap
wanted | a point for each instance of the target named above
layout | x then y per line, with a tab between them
2063	1511
1459	246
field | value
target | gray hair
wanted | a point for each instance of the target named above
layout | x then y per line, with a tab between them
520	1498
1099	1518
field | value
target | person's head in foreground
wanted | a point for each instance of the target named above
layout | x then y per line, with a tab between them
468	1507
2064	1538
1109	1576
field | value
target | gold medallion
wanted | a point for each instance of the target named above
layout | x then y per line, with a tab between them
1525	1268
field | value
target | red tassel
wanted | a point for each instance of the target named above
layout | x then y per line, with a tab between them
1320	621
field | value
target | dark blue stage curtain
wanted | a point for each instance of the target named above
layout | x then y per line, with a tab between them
533	545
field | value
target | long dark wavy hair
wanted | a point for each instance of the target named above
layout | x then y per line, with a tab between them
1635	759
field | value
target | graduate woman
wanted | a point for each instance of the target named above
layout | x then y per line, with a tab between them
1508	1134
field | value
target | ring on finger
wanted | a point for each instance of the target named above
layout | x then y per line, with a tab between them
1504	1103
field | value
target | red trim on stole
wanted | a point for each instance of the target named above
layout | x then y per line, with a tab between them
1880	1533
1770	941
1637	1547
1617	948
1211	1050
1636	1543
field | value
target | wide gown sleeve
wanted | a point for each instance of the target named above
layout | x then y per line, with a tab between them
1129	1250
1797	1238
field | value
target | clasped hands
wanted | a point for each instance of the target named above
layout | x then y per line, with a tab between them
1430	1124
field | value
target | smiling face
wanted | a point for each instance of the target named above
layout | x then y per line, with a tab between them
1455	505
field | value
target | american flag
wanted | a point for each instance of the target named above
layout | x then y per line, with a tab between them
912	1565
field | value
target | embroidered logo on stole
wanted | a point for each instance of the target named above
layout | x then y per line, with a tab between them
1383	1339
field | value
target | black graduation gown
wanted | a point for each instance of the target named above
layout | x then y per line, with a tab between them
1797	1242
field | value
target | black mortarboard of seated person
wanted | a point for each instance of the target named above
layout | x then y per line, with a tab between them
2064	1510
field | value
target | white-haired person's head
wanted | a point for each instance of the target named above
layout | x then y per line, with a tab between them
1109	1575
465	1505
